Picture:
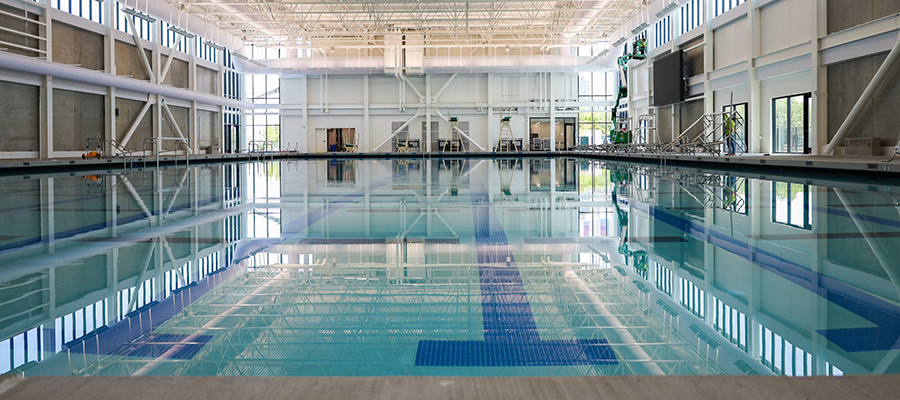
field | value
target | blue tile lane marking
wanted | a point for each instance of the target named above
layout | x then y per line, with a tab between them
885	335
510	334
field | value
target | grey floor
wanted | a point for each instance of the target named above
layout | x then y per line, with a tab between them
436	388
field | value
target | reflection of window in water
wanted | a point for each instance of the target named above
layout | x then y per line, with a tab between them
782	357
566	175
732	324
663	279
792	204
735	194
693	298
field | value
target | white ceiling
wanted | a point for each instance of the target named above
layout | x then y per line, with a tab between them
326	24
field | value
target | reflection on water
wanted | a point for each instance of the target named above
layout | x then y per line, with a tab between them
446	267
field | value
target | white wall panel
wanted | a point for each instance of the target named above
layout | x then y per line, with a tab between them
784	24
732	43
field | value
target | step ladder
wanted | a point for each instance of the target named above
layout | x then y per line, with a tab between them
507	142
454	141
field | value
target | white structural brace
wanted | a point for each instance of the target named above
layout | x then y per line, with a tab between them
391	136
461	132
140	49
864	98
172	121
137	121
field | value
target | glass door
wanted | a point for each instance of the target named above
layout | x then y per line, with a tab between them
790	124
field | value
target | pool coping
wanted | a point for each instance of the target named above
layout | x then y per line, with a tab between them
787	163
440	388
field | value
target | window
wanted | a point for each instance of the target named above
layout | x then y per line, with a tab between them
724	5
691	15
264	123
790	124
663	31
88	9
792	204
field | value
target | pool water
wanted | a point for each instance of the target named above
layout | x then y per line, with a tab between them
450	267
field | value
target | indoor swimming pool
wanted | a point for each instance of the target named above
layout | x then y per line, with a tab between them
447	267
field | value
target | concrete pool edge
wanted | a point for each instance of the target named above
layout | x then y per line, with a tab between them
438	388
758	163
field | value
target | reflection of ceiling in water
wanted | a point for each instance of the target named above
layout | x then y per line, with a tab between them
615	269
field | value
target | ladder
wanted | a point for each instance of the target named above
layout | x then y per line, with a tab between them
507	142
454	141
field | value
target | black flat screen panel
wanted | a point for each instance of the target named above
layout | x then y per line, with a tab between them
668	79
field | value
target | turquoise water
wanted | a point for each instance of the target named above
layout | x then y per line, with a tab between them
518	267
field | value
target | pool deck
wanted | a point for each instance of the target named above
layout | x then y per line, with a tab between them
855	387
755	162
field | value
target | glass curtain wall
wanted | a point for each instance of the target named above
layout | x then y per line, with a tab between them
264	123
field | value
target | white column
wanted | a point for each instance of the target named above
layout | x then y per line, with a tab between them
552	102
362	142
818	129
426	133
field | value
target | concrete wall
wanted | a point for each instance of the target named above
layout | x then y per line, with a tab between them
207	128
843	14
76	115
207	81
128	61
19	25
76	108
73	45
178	73
847	81
128	111
182	118
20	118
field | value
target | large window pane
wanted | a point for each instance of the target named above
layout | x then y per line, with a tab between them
797	124
781	125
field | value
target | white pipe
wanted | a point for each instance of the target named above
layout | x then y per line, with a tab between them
134	125
461	132
864	98
35	66
161	9
391	136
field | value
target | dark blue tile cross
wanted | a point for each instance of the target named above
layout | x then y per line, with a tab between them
510	334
